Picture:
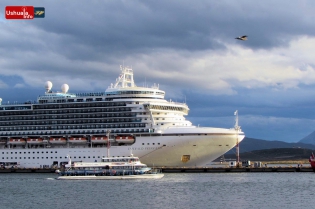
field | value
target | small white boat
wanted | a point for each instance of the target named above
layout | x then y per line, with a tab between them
124	177
111	168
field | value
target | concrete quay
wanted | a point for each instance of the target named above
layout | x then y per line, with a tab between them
182	169
27	170
233	169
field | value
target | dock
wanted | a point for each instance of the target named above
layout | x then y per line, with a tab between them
182	169
233	169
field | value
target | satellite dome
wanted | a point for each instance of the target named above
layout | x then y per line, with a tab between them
48	86
64	88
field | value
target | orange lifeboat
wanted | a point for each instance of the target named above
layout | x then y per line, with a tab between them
99	139
60	140
35	141
125	139
77	140
17	141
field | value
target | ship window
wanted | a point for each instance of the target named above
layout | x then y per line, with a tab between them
142	143
29	158
158	143
46	157
153	143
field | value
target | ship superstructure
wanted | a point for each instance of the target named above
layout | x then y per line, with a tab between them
132	119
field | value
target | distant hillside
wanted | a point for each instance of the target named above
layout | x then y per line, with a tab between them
310	139
277	154
250	144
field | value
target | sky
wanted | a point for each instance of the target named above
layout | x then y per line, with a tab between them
187	47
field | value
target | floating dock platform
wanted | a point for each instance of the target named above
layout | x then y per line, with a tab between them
182	169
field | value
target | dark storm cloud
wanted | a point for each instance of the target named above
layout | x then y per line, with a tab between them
188	47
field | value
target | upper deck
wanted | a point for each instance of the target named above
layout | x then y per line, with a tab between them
124	88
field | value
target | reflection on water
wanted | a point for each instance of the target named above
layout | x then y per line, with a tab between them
178	190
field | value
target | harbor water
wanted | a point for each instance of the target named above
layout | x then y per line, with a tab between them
175	190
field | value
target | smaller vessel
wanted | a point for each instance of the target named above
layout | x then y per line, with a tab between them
78	140
17	141
35	141
59	140
312	161
109	168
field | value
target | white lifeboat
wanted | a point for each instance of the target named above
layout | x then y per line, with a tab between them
17	141
99	139
60	140
77	140
125	139
35	141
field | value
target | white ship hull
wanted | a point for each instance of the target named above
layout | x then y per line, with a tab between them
168	149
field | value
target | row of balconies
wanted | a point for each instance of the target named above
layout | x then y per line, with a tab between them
56	127
76	132
69	122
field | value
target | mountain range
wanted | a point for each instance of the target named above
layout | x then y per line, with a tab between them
264	150
310	139
250	144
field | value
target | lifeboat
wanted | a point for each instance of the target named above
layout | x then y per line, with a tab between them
125	139
35	141
99	139
77	140
60	140
17	141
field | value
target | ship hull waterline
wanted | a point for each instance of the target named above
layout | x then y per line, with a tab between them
153	150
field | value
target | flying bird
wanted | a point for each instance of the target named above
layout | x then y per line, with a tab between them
242	38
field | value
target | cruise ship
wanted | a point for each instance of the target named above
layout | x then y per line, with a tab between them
129	119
